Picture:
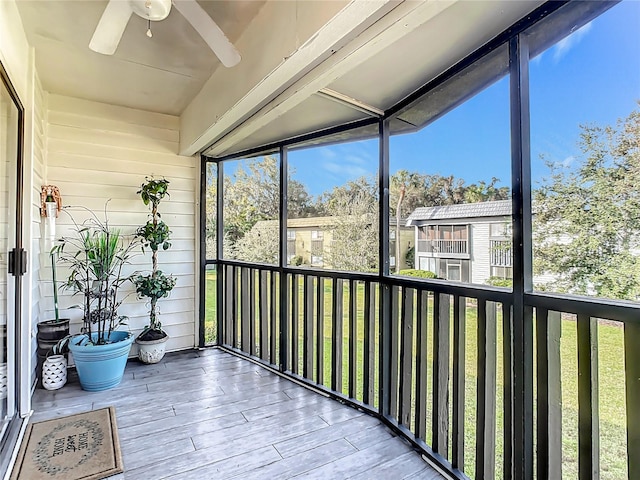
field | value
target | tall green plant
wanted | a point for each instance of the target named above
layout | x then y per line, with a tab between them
55	284
96	255
154	234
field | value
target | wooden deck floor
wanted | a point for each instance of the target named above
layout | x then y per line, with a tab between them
210	414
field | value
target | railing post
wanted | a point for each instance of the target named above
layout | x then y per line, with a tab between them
385	350
507	390
486	402
422	306
369	343
320	328
245	304
308	327
441	328
632	383
459	374
588	419
336	335
406	356
549	404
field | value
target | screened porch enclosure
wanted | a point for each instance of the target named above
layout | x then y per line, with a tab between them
518	379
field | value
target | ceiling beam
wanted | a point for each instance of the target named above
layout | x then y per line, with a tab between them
397	23
207	118
351	102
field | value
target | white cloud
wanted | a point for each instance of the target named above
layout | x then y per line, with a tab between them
327	153
566	44
566	163
537	59
345	169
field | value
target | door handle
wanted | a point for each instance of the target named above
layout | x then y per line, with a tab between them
17	262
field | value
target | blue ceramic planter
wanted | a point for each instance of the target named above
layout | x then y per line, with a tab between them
100	367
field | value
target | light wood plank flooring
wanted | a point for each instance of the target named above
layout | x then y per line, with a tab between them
209	414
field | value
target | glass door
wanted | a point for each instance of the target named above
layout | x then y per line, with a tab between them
12	257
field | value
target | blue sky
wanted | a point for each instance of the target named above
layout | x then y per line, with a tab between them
590	77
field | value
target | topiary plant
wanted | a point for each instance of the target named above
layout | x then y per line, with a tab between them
154	235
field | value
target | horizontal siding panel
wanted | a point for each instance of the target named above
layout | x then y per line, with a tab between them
38	141
182	342
171	311
138	218
105	192
119	205
169	257
182	291
142	168
176	332
101	175
183	322
90	122
117	152
130	115
177	233
91	137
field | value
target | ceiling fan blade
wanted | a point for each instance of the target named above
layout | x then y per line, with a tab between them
209	31
110	28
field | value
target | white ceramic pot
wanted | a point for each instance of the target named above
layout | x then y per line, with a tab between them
151	351
54	372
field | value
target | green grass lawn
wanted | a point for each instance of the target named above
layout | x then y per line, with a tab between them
611	378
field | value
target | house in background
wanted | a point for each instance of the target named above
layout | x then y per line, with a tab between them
310	238
469	242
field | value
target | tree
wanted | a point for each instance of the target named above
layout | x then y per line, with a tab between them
260	244
485	192
407	191
587	215
354	233
211	213
252	194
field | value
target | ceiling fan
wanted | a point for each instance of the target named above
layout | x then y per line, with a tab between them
115	17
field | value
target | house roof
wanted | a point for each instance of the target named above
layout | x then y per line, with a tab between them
317	222
497	208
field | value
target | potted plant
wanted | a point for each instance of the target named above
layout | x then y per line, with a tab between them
96	255
156	285
50	332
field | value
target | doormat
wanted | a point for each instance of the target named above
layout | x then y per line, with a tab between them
78	447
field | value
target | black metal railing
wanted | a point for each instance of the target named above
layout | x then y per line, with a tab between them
435	361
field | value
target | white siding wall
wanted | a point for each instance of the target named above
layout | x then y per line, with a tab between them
98	152
32	201
480	258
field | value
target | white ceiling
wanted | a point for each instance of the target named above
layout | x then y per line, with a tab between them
159	74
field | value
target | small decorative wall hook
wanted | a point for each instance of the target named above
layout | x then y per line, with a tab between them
51	204
51	201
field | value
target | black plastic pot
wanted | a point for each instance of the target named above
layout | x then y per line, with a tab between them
50	332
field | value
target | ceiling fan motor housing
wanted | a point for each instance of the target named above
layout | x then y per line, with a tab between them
154	10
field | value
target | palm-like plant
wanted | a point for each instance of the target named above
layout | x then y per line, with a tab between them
96	254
